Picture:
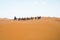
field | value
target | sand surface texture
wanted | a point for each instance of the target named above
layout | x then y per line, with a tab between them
42	29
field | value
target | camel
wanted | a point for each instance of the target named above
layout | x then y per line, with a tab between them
19	18
37	17
15	18
31	18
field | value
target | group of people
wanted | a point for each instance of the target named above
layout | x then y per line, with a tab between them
31	18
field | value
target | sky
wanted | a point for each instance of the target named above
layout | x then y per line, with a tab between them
28	8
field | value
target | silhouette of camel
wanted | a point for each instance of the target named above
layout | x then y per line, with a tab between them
15	18
19	18
31	18
37	17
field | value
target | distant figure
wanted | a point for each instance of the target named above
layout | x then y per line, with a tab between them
32	18
15	18
37	17
28	18
23	18
19	18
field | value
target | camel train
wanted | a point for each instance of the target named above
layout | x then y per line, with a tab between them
31	18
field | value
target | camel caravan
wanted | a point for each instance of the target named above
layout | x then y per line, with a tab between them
31	18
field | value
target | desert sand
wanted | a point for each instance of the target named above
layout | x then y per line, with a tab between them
45	28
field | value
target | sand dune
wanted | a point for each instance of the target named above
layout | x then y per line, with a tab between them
42	29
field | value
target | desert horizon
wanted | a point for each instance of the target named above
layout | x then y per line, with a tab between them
29	19
46	28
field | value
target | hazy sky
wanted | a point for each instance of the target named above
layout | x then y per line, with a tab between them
27	8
